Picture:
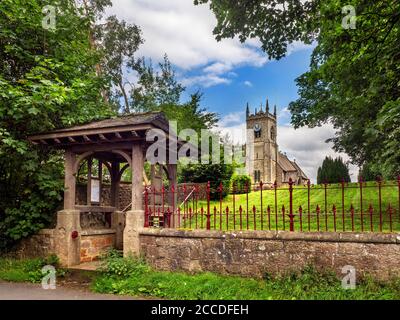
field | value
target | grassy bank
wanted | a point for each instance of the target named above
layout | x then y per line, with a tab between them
325	220
135	277
27	270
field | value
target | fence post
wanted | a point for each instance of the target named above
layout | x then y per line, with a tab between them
361	204
247	205
291	204
308	204
343	222
208	223
390	217
398	187
172	189
220	189
326	205
276	204
318	211
261	203
208	203
146	207
379	180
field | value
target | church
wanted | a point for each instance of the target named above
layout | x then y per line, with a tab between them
264	161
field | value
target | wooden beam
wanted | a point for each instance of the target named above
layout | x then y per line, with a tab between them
79	133
134	134
86	138
102	137
70	139
118	135
57	141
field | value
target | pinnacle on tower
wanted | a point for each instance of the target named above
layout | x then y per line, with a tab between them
261	108
267	107
247	110
275	110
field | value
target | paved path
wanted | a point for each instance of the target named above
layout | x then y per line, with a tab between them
28	291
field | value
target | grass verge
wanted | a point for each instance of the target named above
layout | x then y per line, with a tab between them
132	276
27	270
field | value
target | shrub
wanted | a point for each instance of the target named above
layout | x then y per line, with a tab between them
114	264
239	183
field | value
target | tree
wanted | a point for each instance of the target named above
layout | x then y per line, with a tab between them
276	23
47	80
153	88
344	85
161	91
333	171
117	41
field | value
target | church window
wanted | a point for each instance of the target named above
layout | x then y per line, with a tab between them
257	176
272	134
257	134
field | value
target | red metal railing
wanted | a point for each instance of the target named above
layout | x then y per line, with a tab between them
361	207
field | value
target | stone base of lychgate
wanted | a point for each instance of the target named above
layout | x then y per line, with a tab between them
133	226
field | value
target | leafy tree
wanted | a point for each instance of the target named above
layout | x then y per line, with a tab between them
118	42
333	171
47	80
161	91
240	183
345	85
155	88
276	23
213	173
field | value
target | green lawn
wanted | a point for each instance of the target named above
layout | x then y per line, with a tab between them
309	220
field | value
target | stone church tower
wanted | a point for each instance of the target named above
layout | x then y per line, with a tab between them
261	146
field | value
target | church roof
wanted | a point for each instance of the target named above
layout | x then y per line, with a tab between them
303	175
285	163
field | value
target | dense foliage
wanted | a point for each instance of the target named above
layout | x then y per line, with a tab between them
240	183
213	173
333	171
47	80
353	81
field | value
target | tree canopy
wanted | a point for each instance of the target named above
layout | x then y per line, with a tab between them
333	171
47	80
353	81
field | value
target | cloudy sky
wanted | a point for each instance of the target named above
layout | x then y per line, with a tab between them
229	73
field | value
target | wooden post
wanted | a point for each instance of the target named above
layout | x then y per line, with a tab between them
137	177
70	181
115	184
89	182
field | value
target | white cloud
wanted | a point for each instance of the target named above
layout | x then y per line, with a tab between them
184	32
306	145
248	83
207	80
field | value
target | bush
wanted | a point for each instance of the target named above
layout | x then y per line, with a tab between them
213	173
114	264
240	184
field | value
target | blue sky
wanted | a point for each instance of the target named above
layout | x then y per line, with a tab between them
229	73
275	80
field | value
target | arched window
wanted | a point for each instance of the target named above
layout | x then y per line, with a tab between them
272	133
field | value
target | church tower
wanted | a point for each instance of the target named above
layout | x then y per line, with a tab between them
261	146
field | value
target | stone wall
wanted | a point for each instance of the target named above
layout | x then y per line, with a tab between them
256	253
95	243
39	245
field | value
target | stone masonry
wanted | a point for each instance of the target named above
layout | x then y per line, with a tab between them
256	253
